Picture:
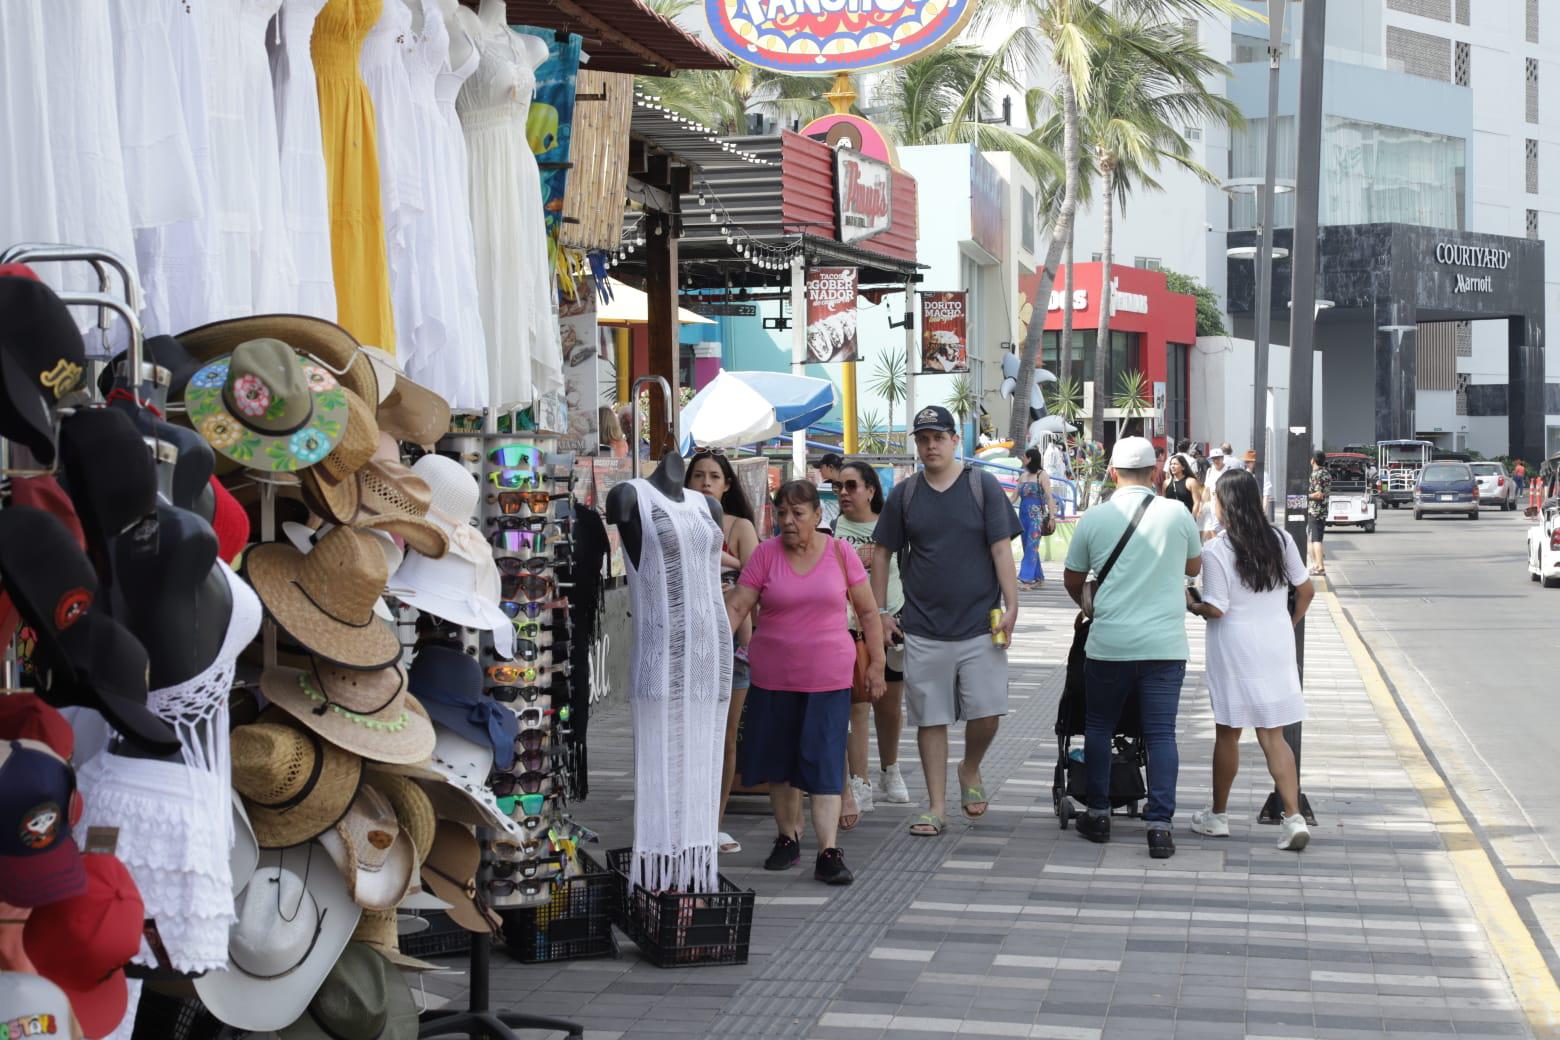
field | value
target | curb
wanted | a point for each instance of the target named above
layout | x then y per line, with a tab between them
1535	988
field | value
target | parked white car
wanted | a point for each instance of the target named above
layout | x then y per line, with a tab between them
1496	486
1543	546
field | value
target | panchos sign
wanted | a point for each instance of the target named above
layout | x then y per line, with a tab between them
812	37
863	195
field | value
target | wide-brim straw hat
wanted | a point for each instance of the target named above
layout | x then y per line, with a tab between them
296	786
394	499
369	713
328	342
377	928
450	873
407	409
332	482
325	600
303	537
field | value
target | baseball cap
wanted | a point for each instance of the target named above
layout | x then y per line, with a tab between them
82	944
39	861
41	360
1215	453
934	417
29	998
1132	453
24	716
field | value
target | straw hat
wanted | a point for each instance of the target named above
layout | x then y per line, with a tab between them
326	341
409	410
295	785
303	537
331	482
376	928
325	600
412	808
451	872
394	499
372	852
369	713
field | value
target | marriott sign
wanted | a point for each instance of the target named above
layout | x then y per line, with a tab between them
1486	257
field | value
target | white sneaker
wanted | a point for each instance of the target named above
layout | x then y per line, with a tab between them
1293	834
862	792
1213	824
891	786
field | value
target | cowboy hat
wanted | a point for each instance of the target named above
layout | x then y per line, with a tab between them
266	406
327	342
451	872
363	998
295	785
294	919
407	409
368	713
325	600
377	928
372	852
332	482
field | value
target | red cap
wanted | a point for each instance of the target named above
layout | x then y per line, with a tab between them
18	271
24	716
82	944
229	521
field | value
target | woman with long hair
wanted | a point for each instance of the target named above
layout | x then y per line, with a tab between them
1035	503
1253	677
861	500
711	473
1181	482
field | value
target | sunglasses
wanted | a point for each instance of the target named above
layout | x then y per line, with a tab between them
852	486
517	565
531	610
514	456
513	478
507	848
512	674
510	694
510	503
529	782
532	586
502	887
529	868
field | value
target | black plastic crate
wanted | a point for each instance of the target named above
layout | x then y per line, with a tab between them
441	938
683	929
575	922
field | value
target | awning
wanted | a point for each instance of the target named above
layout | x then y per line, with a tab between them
619	35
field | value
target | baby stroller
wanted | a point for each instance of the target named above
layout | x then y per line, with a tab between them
1069	785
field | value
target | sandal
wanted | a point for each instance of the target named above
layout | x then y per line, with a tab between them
850	812
728	845
927	825
972	796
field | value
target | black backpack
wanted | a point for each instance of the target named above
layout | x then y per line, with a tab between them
971	480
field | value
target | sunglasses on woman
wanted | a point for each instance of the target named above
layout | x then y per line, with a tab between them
852	486
514	456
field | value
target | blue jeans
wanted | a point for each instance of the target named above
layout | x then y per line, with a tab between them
1109	685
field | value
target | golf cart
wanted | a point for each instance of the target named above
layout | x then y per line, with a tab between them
1399	464
1352	500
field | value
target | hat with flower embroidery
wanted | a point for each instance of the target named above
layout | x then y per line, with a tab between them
268	407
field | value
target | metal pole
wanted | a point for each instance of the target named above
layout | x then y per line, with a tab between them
1302	317
1259	377
798	356
912	355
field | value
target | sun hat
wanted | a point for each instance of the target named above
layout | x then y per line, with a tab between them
363	998
368	713
412	808
463	766
1132	453
407	409
451	874
377	929
372	852
325	600
392	498
325	341
295	785
34	1003
41	360
1250	456
332	481
83	943
294	919
39	861
304	538
448	681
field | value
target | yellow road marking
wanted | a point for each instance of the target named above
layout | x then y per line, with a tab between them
1536	991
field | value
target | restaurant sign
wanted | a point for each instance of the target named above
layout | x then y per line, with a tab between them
863	195
815	37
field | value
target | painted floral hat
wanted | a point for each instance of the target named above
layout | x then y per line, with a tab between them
266	406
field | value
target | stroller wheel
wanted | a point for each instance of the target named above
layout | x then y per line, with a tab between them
1063	811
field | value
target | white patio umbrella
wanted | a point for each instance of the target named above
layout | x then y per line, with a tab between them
630	306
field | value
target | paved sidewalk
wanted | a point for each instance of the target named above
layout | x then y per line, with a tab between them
1010	927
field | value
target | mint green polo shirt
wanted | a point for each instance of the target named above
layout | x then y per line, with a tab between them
1140	611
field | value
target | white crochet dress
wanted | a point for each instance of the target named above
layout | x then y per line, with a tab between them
679	684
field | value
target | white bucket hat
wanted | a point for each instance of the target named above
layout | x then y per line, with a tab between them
304	538
294	919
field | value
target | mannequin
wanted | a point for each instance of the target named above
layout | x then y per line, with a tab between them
187	482
417	15
460	29
623	501
494	16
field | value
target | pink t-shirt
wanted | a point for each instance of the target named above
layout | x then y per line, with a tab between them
801	642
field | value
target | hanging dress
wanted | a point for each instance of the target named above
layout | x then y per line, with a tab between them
235	216
514	276
29	210
276	276
400	188
357	231
679	680
154	142
306	203
440	351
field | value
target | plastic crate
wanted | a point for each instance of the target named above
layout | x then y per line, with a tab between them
442	938
683	929
575	922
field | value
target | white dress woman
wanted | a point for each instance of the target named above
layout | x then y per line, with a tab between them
305	196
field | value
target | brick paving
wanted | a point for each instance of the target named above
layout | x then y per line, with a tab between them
1011	927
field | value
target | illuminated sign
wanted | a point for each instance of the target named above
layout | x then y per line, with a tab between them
812	37
863	195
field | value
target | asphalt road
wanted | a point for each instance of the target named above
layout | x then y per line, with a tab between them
1471	647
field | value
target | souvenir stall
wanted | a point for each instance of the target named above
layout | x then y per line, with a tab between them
289	544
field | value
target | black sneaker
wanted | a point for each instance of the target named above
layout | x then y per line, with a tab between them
786	854
1094	828
831	868
1161	843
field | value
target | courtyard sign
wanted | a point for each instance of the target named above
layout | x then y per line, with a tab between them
813	37
1472	256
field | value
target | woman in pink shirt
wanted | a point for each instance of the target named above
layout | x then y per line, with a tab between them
803	658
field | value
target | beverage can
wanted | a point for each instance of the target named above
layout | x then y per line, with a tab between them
998	637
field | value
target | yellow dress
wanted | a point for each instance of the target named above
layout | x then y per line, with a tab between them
357	228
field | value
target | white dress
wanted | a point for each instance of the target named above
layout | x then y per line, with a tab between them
305	197
276	276
514	276
29	210
679	680
160	179
400	185
1253	678
440	352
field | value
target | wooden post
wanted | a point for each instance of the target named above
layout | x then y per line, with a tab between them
661	288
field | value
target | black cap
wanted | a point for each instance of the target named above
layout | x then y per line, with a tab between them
934	417
109	474
84	657
41	360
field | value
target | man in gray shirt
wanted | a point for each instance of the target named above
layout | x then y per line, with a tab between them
952	527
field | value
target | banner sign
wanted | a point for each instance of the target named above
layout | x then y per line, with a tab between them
831	314
945	332
863	195
824	37
549	124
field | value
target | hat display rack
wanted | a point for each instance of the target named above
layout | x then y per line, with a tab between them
397	678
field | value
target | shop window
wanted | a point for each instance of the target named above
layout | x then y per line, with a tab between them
1178	372
1124	356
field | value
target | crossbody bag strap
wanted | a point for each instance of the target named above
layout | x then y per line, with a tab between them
1126	536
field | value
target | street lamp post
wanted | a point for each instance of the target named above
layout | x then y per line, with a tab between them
1264	331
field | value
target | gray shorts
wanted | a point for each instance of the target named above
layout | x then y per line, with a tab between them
949	681
741	674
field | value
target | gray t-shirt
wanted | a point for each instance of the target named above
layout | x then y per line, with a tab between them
949	578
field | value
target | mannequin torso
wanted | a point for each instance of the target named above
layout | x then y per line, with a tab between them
187	482
463	26
623	501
